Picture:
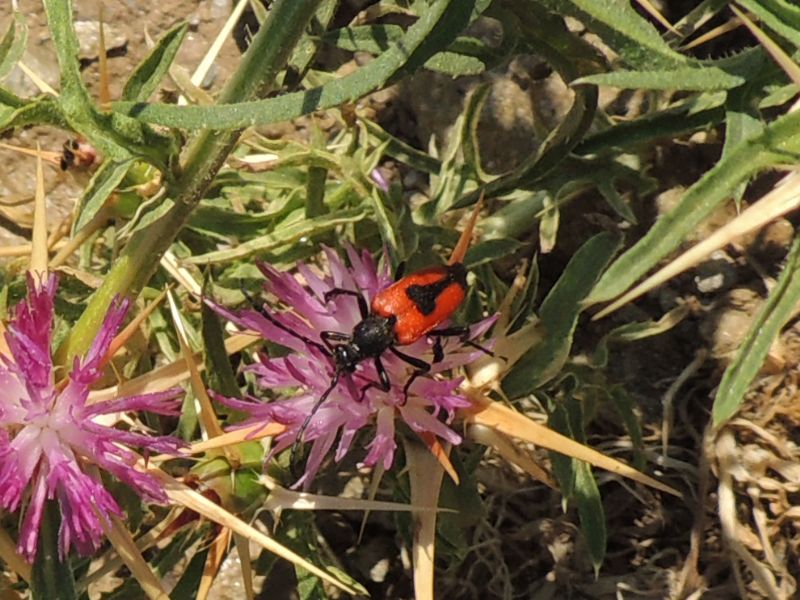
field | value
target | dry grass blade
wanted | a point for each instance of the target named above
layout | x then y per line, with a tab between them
509	422
54	158
38	264
515	456
189	498
245	434
245	560
654	12
202	69
169	375
712	34
123	543
783	198
281	499
98	221
208	418
123	336
216	554
10	556
440	454
110	561
37	81
425	476
182	275
102	56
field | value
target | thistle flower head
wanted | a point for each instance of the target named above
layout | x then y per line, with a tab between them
307	372
51	443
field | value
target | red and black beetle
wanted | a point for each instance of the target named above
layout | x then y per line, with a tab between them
412	307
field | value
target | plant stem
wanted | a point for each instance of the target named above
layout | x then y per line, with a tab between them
206	153
51	577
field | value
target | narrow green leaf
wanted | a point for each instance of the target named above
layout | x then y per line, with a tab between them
400	150
221	377
779	143
699	79
780	16
563	466
618	24
667	124
307	47
485	252
436	27
12	46
455	64
591	512
101	186
627	410
44	110
465	56
284	234
753	350
741	122
559	316
147	75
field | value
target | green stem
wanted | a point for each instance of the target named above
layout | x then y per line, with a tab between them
51	579
267	55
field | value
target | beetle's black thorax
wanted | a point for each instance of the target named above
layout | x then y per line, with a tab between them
373	335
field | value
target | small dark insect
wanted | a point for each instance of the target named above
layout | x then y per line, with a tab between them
77	153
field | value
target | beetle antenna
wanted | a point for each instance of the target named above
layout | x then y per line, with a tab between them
259	308
466	236
300	432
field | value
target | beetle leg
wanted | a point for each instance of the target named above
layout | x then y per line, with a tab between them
385	383
460	332
420	368
362	303
400	270
300	432
333	336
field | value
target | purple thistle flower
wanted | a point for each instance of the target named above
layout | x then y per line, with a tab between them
49	439
306	373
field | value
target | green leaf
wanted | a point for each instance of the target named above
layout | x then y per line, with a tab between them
284	234
666	124
701	79
465	56
591	512
434	30
780	16
12	45
221	377
307	47
764	329
779	143
623	29
627	410
44	110
147	75
490	250
101	186
559	316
